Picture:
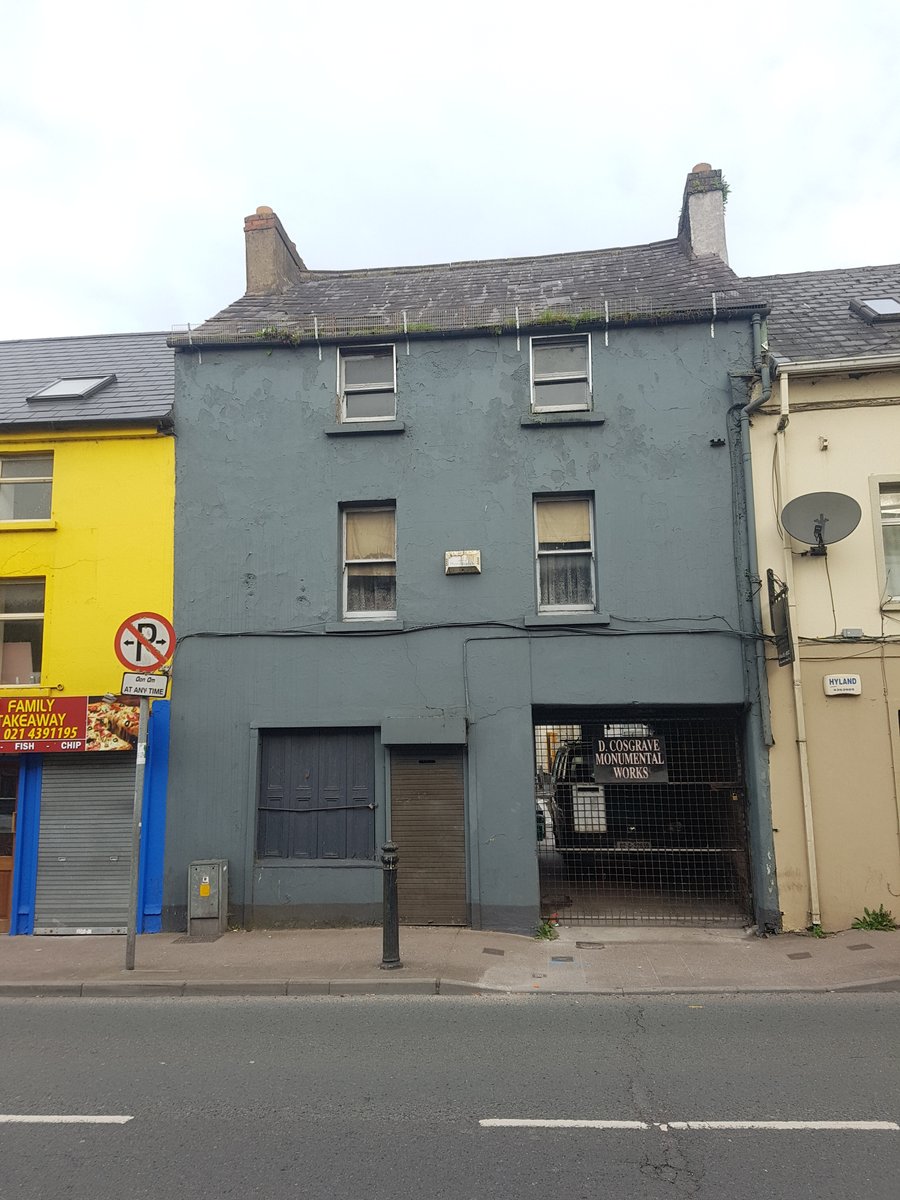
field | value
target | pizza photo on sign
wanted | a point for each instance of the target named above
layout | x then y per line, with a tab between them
111	725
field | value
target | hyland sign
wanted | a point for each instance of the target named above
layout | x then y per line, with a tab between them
48	724
631	760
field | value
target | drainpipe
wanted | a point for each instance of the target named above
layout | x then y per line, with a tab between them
752	555
815	917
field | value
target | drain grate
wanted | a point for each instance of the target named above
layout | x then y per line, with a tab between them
491	950
591	945
861	946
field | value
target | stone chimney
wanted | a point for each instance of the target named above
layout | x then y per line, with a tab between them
701	229
273	263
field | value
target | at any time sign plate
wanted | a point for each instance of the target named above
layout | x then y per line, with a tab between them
134	684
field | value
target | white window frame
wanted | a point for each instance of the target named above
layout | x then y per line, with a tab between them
563	339
876	483
539	554
12	481
24	616
377	614
385	389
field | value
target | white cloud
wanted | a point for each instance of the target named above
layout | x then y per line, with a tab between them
135	138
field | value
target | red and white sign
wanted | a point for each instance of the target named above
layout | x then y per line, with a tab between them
145	642
49	724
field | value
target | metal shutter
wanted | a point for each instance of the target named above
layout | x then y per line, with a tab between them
428	825
84	846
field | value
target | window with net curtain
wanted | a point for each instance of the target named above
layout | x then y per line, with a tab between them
370	562
889	495
565	553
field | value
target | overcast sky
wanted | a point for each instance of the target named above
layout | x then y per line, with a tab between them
136	137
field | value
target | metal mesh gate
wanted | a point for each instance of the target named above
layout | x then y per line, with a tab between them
660	842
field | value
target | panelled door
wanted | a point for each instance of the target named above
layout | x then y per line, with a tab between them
428	826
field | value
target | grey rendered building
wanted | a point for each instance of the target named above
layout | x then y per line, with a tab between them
435	525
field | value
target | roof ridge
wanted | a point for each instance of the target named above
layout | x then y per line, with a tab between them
84	337
818	274
483	262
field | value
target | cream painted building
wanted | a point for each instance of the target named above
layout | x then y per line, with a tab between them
832	424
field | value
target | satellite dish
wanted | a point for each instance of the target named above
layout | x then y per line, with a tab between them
821	518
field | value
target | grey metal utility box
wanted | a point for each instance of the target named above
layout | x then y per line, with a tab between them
207	909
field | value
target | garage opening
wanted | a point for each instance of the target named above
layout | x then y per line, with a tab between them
641	817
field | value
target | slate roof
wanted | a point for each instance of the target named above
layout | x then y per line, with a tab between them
653	281
142	363
811	317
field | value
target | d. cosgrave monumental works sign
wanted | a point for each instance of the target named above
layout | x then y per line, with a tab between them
631	760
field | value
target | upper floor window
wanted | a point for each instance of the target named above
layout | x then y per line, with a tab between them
367	383
889	497
21	631
564	542
25	484
561	373
370	562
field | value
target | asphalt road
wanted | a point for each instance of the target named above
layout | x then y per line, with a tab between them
383	1098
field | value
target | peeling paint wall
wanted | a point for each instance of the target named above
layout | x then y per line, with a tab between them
258	550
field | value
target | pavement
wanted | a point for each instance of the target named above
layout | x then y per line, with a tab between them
588	960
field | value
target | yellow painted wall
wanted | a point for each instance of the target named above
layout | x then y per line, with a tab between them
854	741
106	553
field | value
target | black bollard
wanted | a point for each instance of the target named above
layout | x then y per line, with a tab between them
390	914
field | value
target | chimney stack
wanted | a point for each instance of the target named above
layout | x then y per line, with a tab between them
701	229
273	263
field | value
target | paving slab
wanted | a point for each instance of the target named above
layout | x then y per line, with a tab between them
449	961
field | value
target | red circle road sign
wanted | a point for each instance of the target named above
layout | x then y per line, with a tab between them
144	642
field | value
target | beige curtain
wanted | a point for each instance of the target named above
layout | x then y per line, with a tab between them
561	522
370	534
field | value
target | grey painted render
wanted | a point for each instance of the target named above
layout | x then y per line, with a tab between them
257	585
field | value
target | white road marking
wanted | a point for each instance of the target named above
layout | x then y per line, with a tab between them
664	1127
59	1119
516	1122
789	1125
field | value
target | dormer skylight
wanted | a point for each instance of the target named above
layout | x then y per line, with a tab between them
875	309
73	387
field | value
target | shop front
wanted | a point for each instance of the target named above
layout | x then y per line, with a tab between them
67	776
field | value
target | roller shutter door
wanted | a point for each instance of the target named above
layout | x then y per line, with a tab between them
428	825
84	845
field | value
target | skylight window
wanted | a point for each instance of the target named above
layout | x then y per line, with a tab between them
877	308
73	387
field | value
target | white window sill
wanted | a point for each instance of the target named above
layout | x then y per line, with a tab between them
25	526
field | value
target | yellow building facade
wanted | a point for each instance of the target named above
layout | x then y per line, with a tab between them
87	493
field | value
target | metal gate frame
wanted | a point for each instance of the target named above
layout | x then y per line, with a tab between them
672	852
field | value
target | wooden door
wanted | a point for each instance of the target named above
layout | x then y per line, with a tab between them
9	776
428	826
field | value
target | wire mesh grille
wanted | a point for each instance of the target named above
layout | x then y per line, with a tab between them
665	851
497	316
